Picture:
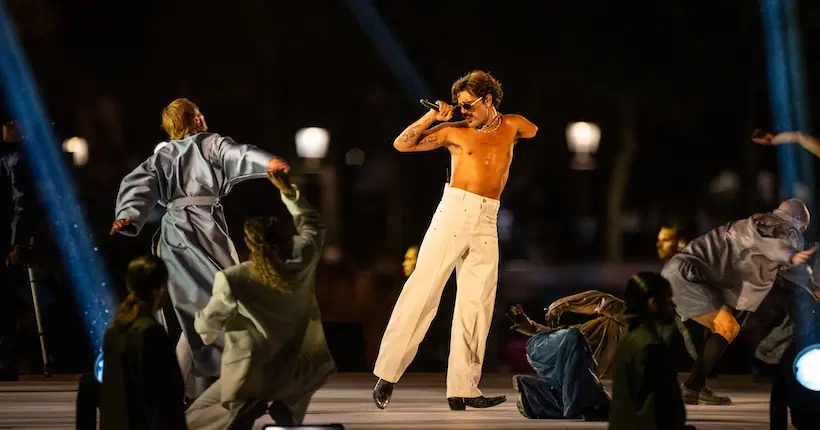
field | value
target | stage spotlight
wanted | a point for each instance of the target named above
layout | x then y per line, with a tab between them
98	367
807	367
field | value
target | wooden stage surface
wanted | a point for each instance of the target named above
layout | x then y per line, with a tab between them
418	403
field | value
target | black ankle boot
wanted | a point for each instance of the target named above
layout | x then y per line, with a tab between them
248	414
461	403
382	392
281	414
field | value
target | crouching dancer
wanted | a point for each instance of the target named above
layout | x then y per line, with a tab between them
275	349
568	360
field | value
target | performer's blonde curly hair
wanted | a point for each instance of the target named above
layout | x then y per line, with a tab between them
261	238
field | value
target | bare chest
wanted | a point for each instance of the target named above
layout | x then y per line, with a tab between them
491	151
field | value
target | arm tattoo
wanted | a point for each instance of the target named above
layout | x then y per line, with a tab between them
429	140
410	135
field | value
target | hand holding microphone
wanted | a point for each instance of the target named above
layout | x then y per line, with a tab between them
444	112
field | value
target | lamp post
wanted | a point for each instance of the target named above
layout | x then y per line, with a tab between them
583	139
311	146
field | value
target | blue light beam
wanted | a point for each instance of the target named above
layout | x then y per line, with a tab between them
774	27
55	187
800	108
390	49
786	89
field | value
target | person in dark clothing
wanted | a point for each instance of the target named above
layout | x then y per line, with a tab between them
142	385
645	390
789	396
88	400
15	233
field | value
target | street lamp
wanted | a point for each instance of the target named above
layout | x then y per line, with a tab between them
312	143
311	147
583	139
78	148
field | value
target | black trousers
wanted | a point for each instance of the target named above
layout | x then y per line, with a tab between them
9	336
88	400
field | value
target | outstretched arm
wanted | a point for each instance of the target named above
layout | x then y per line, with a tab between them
587	303
241	162
809	142
139	193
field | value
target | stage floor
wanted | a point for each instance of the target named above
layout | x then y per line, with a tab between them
418	403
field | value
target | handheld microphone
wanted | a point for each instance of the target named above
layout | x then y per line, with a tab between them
428	104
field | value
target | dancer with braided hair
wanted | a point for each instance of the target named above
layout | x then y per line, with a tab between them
275	349
645	393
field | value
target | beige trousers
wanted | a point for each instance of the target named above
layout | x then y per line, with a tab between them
463	235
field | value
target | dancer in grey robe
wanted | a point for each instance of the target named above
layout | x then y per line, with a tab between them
189	175
734	267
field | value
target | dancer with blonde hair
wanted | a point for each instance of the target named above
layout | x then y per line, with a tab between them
189	176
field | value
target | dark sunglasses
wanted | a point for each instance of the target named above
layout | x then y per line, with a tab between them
468	107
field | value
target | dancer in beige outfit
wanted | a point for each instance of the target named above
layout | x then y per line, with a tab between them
462	235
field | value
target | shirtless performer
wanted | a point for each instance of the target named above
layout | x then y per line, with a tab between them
462	235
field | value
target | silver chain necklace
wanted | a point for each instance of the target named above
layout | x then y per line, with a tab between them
495	123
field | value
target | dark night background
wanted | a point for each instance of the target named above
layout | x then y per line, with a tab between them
683	81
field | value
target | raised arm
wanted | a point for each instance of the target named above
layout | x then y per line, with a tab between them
309	225
416	137
308	222
526	129
522	323
139	193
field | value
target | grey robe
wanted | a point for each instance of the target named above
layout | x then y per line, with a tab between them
736	265
189	177
275	346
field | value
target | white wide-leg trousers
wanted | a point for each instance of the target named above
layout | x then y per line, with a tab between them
462	235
